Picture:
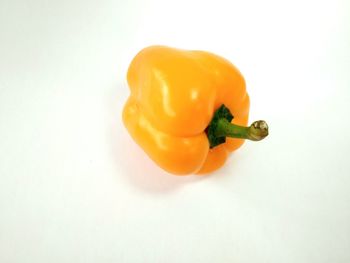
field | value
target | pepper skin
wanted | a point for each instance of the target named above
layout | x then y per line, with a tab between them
174	94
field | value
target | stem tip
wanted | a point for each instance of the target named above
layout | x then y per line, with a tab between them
258	130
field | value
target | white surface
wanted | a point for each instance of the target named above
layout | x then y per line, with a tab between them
75	188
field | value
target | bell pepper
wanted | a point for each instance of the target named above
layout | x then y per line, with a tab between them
187	109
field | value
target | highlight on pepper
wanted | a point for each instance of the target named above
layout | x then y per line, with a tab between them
188	109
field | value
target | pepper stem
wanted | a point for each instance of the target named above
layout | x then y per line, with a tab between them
257	131
221	127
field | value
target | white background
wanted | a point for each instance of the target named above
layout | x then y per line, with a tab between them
75	188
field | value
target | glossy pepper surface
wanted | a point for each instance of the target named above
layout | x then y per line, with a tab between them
175	97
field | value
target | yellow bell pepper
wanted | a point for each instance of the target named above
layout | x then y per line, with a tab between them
183	105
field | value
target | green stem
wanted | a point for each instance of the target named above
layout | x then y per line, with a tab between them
221	127
255	132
